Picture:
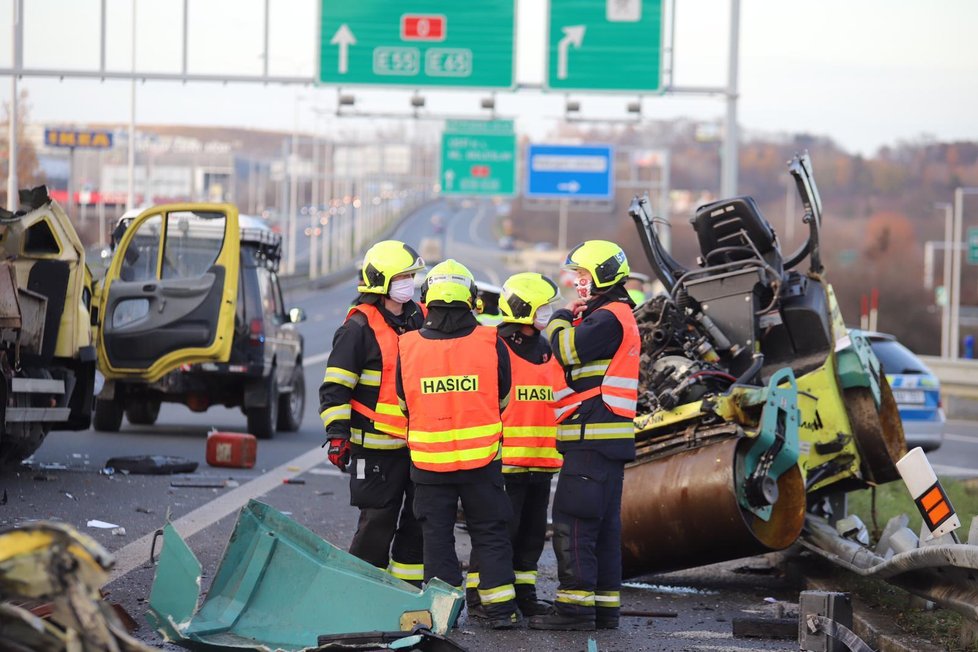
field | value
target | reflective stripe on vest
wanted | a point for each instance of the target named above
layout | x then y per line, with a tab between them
619	387
529	429
387	416
595	431
451	389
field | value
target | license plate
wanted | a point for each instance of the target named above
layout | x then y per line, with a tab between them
909	396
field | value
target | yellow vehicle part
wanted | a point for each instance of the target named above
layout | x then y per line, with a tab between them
46	233
229	258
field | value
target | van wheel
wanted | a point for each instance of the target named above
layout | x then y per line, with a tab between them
292	404
143	413
108	415
262	420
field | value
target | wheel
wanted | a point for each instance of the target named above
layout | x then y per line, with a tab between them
292	404
143	413
108	415
21	439
262	420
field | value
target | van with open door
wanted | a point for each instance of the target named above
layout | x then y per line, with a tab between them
190	311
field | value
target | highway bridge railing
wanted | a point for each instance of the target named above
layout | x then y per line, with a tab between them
959	385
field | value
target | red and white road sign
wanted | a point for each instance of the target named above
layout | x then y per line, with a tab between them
423	27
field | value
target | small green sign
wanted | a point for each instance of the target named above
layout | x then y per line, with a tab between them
973	246
417	43
478	157
605	45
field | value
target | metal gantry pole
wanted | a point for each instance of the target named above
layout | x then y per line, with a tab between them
728	174
131	191
955	328
15	43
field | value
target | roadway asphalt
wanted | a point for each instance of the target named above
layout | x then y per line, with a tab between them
62	482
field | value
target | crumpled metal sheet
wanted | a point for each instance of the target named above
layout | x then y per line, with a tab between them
280	587
943	573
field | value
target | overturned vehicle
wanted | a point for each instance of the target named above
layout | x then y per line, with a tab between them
756	403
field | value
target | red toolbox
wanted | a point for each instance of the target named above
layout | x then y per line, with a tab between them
235	449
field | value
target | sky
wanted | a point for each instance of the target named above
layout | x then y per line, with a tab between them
866	73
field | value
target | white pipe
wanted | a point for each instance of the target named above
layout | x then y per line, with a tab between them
131	190
12	189
728	178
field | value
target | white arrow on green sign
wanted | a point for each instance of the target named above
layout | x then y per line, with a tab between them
417	43
478	157
605	45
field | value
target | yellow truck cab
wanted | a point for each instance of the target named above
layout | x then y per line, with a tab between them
47	357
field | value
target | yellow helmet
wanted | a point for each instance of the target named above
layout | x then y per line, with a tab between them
605	261
523	294
384	261
449	282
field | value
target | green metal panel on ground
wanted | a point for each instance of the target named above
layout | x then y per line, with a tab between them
280	586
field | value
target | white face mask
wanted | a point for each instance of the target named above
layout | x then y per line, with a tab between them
583	287
402	290
542	318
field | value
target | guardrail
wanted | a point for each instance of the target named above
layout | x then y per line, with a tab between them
959	378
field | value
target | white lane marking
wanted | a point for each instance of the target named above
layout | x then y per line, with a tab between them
961	438
960	471
136	554
316	359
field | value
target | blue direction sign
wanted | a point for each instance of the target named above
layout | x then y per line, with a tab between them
570	171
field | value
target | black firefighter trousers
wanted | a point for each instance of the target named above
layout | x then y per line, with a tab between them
388	535
587	535
487	514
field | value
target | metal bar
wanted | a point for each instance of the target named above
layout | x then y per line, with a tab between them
15	41
186	31
265	52
728	176
37	385
25	415
153	76
102	38
131	188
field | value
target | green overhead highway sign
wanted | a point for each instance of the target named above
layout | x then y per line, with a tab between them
973	246
478	157
605	45
417	43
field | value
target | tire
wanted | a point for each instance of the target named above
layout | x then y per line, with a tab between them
143	413
262	420
292	404
108	415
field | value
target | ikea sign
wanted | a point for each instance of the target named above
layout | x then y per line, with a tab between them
87	138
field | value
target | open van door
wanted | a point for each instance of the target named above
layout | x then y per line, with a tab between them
169	295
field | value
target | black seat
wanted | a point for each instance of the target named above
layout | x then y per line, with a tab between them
726	230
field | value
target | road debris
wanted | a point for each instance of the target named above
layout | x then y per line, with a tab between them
54	562
152	464
270	558
231	449
102	525
293	481
119	532
199	484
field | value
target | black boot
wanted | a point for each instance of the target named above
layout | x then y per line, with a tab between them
608	622
505	622
558	621
532	607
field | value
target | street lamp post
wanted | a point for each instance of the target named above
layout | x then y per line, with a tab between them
955	316
946	308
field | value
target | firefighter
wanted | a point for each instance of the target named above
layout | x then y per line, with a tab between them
453	379
365	427
600	358
530	457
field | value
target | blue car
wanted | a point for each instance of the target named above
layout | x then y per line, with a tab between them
916	390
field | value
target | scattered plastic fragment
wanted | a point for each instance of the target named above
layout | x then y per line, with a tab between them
199	484
70	496
152	464
119	532
102	525
293	481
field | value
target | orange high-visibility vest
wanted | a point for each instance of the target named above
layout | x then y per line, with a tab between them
451	388
619	386
529	428
387	416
